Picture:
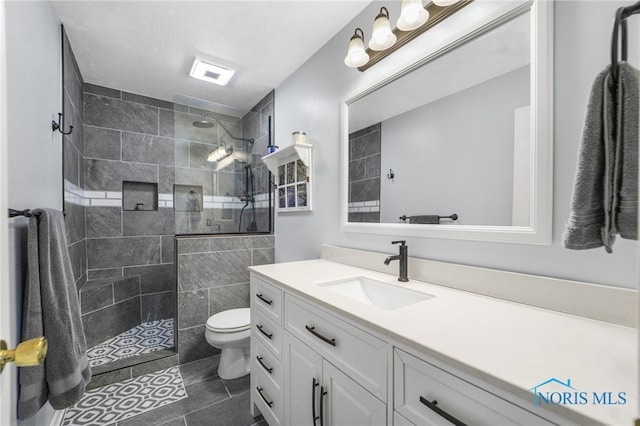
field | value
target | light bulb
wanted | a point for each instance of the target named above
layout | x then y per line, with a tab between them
412	16
381	31
443	3
356	55
382	38
410	13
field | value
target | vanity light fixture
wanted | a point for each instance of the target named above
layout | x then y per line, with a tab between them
412	15
356	55
414	20
444	3
210	72
382	37
219	153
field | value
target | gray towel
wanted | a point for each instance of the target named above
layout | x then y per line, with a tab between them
51	309
604	200
425	219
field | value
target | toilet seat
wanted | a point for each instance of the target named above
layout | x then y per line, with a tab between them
230	321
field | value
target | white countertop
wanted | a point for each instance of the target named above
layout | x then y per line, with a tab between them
512	346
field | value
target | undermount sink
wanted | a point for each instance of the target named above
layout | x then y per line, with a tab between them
376	293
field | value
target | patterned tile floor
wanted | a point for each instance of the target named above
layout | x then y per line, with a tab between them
143	339
211	401
119	401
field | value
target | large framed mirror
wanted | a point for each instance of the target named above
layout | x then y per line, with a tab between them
458	144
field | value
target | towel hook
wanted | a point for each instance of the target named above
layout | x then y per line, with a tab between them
620	26
58	126
391	174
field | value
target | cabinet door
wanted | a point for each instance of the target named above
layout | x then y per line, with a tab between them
346	403
303	374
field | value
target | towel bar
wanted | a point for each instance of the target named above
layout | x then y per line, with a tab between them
16	213
452	217
27	213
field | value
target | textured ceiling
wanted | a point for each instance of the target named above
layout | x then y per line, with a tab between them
148	47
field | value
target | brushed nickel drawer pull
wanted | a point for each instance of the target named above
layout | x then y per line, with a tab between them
313	331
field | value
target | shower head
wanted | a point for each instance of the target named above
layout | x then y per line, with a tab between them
203	123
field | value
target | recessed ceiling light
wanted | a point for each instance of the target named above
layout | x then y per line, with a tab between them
210	72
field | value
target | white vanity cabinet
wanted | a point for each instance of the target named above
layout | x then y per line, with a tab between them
313	366
316	392
267	373
308	364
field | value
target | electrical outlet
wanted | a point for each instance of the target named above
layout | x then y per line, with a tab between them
208	222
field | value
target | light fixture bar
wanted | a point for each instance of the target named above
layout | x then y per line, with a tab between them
437	14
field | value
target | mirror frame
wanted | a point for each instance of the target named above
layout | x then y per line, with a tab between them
539	230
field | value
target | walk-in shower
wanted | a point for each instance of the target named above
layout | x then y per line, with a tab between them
195	172
218	155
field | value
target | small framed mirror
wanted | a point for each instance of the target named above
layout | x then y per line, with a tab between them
459	144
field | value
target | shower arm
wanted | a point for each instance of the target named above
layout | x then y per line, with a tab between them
251	141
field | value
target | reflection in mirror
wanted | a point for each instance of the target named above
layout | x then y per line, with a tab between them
451	138
457	141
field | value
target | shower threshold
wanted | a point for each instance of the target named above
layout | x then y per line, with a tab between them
142	339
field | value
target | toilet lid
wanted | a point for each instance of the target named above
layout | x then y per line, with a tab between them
230	321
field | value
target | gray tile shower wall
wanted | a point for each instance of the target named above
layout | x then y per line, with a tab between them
73	160
109	307
213	276
123	143
364	173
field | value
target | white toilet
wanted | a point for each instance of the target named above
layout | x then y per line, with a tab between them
229	331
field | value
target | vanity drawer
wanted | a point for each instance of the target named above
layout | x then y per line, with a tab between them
267	297
264	360
358	354
267	398
415	379
266	332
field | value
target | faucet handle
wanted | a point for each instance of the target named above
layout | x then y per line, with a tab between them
401	242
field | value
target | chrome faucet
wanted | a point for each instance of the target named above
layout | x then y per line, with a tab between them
403	257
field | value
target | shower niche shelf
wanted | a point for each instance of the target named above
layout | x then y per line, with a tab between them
139	196
292	167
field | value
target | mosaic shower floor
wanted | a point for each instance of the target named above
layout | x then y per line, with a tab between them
143	339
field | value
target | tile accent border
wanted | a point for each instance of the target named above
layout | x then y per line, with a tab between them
364	206
81	197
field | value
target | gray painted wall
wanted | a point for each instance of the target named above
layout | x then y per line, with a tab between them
443	166
310	101
34	89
